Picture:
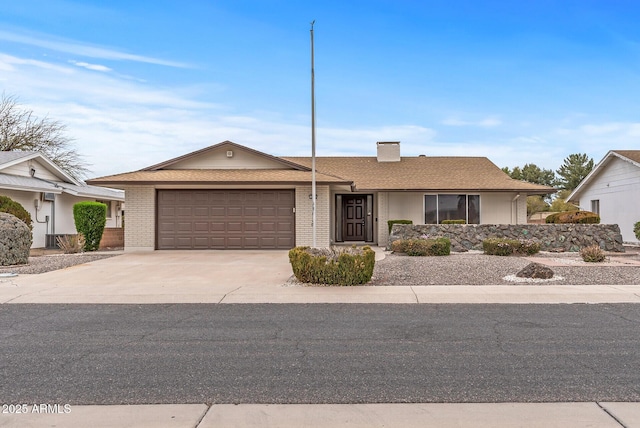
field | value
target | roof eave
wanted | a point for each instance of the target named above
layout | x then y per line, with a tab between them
117	184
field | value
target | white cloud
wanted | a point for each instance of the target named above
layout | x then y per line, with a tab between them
123	125
94	67
81	49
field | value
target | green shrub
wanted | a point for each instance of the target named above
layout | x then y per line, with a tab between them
454	221
508	247
392	222
422	246
551	218
636	230
341	266
592	254
9	206
90	219
576	217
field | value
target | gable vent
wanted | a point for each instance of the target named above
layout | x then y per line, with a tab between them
229	153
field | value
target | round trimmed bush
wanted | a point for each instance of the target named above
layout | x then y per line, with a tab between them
15	240
338	266
576	217
8	205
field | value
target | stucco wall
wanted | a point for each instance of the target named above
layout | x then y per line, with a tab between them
617	187
63	215
568	237
495	208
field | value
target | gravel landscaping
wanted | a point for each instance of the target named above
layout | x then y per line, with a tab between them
41	264
480	269
471	268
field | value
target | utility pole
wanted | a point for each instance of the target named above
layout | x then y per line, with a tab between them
313	144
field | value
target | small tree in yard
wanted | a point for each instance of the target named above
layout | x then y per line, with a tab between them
90	219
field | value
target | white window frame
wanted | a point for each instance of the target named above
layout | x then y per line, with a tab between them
108	204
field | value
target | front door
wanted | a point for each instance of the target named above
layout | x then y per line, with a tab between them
354	208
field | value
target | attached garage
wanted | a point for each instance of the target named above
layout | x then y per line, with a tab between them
225	219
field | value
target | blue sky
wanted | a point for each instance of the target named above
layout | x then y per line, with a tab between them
139	82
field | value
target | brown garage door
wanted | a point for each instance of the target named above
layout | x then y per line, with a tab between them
226	219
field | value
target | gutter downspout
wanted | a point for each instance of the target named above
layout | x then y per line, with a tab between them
514	201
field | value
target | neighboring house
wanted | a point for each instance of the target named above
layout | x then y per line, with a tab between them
229	196
612	190
49	193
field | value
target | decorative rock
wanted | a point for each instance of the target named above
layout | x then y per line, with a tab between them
15	240
535	270
550	236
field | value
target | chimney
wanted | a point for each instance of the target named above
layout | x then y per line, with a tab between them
388	151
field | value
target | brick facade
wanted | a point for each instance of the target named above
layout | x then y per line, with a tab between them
304	231
140	218
383	217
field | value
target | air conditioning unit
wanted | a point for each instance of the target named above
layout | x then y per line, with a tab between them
48	196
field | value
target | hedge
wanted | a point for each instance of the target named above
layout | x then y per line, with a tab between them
335	266
636	230
460	221
9	206
577	217
90	219
508	247
392	222
423	247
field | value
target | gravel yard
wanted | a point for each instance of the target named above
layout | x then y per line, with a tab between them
480	269
41	264
457	269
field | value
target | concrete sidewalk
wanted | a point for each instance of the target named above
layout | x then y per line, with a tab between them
441	415
259	277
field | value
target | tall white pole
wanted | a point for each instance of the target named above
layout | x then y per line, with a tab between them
313	144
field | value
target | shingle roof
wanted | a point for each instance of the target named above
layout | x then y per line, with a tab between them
634	155
6	157
218	176
423	173
16	182
366	173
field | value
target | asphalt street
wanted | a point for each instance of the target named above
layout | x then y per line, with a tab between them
318	353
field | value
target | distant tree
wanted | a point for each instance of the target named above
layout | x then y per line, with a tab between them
560	202
532	173
574	169
536	204
21	130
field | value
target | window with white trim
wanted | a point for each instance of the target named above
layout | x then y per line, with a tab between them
451	207
108	204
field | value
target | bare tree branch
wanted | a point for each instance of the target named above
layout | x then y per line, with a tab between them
21	130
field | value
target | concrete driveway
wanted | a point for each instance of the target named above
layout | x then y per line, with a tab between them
152	277
259	277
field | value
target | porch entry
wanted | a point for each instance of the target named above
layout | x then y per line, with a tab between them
354	218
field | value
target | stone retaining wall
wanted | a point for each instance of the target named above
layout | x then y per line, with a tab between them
558	237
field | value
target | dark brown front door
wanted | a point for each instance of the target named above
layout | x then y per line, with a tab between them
354	212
